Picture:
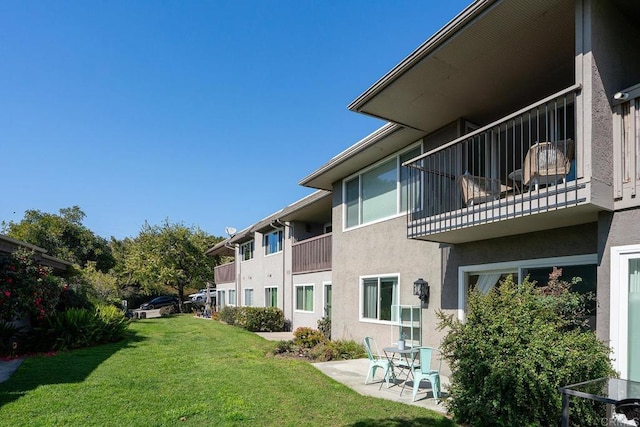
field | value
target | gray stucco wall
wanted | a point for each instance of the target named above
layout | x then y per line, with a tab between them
380	248
614	229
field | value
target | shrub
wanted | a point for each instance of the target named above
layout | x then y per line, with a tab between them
307	337
517	346
337	350
255	319
167	310
324	325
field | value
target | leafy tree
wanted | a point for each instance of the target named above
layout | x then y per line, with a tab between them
63	236
519	344
170	255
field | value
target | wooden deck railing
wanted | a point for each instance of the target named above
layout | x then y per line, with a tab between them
312	254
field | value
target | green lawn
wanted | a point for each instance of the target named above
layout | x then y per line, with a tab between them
187	371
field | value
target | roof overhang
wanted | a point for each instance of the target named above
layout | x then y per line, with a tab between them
378	145
10	245
491	59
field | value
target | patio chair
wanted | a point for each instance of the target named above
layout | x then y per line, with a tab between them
479	189
377	361
547	163
428	370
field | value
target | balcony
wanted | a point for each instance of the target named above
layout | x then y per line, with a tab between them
225	273
312	254
524	164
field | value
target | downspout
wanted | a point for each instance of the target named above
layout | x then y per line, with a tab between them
238	277
284	227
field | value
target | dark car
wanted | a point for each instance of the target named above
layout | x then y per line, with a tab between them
160	302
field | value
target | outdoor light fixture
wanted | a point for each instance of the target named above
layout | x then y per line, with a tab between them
621	96
421	290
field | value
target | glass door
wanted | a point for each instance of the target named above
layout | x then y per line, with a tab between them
625	310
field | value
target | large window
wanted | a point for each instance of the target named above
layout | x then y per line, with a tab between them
246	250
232	297
379	294
248	297
304	298
221	299
485	277
271	297
273	242
378	192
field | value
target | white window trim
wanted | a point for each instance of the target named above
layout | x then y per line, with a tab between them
399	212
265	295
324	295
253	253
619	299
295	290
517	266
244	297
235	297
363	319
265	246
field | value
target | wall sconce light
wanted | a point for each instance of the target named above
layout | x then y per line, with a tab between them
621	96
421	290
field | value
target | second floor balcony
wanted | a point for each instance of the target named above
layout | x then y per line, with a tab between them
524	164
225	273
312	254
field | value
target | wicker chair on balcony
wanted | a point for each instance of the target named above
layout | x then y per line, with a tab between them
479	189
547	163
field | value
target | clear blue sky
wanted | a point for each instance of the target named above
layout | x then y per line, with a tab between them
207	113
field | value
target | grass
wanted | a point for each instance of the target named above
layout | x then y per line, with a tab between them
186	371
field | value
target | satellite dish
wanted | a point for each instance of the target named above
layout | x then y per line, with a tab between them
230	231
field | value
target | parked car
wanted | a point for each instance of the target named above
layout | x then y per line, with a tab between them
201	295
158	302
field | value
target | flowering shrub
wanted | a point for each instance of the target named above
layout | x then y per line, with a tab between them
26	288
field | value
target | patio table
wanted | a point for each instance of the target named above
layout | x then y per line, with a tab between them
405	361
606	390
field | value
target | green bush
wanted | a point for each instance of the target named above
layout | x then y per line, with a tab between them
228	315
255	319
79	327
167	310
337	350
307	337
519	344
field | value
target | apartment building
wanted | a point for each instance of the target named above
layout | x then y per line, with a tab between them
283	260
511	148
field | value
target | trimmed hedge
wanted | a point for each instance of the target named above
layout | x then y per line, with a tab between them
254	319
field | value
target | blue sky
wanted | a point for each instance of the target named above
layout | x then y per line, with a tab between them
207	113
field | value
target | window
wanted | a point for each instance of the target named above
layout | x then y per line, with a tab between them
221	300
246	251
379	294
271	297
378	192
327	300
273	242
484	277
232	297
304	298
248	297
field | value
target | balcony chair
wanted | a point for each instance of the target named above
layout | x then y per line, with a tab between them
547	163
479	189
377	361
429	369
630	409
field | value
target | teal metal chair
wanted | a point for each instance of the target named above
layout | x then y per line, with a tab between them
429	369
377	361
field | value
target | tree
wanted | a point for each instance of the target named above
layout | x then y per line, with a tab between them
170	255
63	236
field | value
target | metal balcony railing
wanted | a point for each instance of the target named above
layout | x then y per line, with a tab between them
519	165
225	273
312	254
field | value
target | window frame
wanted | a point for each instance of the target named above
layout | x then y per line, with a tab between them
250	245
251	302
280	241
304	287
326	312
268	298
231	295
519	267
399	209
396	291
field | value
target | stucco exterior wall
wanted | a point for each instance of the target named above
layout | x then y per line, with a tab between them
614	229
380	248
318	280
